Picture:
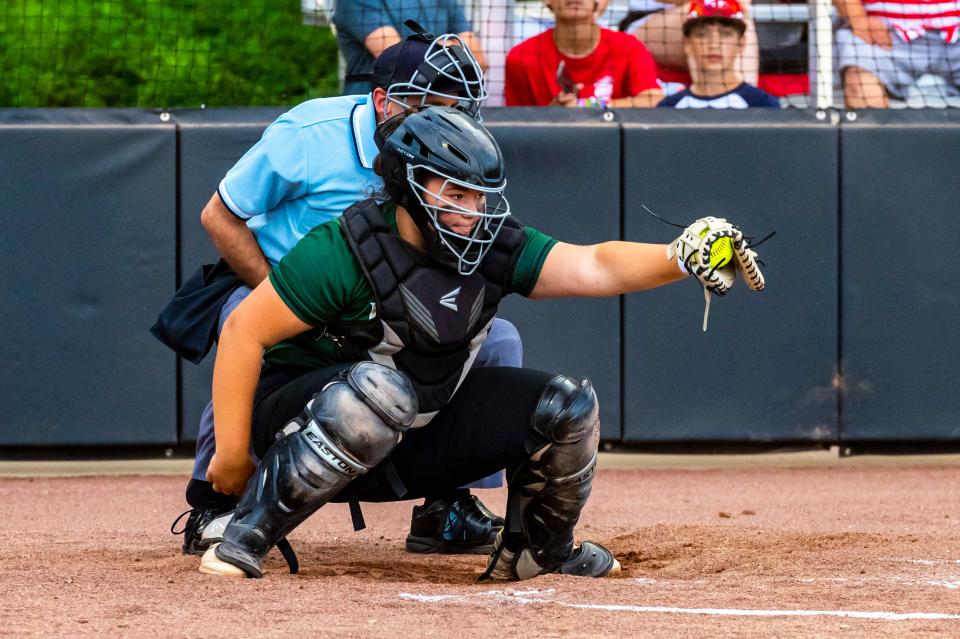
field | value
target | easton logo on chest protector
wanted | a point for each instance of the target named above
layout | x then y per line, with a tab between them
450	299
425	301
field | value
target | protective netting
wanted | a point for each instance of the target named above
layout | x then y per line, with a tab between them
907	55
619	53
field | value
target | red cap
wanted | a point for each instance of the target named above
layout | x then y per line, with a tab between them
726	9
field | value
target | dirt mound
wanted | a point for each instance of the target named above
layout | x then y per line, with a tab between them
694	551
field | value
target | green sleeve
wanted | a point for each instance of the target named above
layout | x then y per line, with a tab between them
526	272
319	279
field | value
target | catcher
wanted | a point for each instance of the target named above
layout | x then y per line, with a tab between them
368	393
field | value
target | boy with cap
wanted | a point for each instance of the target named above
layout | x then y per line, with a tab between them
310	164
713	38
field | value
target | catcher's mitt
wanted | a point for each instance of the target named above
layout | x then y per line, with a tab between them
713	250
700	252
747	265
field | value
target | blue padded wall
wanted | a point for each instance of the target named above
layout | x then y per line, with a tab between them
765	369
563	178
87	213
211	141
900	342
100	211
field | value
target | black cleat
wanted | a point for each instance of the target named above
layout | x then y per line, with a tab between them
462	525
204	528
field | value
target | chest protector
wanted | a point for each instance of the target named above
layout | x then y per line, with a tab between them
431	319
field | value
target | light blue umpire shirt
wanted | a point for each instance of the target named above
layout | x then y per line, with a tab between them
310	164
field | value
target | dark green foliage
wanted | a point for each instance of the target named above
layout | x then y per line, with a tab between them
161	53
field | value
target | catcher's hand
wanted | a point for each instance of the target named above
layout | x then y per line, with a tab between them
713	250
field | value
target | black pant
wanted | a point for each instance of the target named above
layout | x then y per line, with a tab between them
480	431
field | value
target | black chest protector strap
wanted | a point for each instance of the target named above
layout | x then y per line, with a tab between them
429	313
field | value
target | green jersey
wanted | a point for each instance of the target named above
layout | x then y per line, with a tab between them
321	281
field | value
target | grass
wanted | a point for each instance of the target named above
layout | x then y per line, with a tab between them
161	53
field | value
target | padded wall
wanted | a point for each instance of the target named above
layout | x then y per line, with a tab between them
900	344
95	248
764	370
211	141
563	178
87	216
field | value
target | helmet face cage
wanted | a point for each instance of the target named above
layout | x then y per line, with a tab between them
448	60
469	250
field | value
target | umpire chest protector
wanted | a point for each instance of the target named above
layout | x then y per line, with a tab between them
432	319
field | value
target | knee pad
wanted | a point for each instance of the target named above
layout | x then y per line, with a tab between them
347	428
565	429
548	493
356	420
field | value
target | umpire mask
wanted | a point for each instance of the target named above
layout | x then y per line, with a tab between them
445	143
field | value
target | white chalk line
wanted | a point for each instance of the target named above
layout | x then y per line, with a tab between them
546	597
952	583
924	562
903	581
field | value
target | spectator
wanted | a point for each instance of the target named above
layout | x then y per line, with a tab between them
366	27
661	30
578	63
886	46
713	39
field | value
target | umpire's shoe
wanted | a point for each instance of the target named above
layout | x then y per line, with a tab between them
204	528
460	524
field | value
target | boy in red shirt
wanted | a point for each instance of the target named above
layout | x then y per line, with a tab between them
578	63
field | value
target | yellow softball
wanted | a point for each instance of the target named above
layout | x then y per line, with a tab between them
721	252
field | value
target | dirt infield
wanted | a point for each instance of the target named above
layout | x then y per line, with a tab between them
838	551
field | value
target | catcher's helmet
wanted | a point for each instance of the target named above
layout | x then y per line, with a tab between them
445	142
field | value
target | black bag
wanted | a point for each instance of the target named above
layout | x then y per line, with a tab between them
188	324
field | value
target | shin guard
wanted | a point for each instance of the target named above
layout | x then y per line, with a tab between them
347	428
547	493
